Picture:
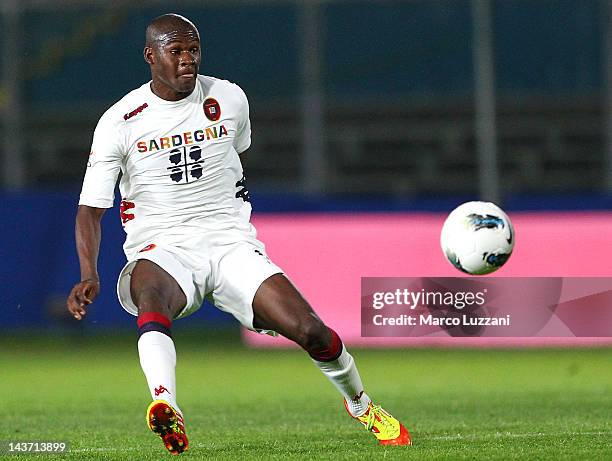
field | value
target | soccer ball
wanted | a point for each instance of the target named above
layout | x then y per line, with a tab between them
477	238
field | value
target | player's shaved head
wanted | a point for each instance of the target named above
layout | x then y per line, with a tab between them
167	27
173	54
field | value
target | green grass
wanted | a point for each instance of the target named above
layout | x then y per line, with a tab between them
246	404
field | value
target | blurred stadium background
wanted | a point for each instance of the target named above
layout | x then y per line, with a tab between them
371	120
357	106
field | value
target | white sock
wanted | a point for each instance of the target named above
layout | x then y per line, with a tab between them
343	373
158	361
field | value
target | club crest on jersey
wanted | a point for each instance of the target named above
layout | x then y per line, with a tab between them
212	110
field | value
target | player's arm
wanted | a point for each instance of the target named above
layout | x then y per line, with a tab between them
97	195
243	159
88	234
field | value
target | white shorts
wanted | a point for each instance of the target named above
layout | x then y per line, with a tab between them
229	265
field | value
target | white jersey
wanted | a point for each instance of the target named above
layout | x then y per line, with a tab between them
179	161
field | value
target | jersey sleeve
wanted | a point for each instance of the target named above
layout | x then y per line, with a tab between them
105	159
243	130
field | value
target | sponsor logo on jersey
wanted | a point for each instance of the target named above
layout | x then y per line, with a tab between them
135	112
212	110
184	139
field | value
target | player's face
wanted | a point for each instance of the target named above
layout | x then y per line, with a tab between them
175	60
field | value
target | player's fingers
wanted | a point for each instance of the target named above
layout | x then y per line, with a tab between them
89	294
76	303
73	305
80	301
72	301
87	297
79	312
84	301
74	309
81	297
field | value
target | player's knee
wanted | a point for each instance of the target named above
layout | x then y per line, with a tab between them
312	334
151	299
323	343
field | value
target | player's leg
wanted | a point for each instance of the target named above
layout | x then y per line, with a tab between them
279	306
253	289
159	299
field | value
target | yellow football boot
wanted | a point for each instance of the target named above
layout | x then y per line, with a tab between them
387	429
168	423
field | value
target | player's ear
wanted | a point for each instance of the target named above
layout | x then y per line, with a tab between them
148	55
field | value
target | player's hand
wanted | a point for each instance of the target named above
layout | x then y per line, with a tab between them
82	294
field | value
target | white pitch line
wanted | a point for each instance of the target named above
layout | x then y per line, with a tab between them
101	449
114	449
499	435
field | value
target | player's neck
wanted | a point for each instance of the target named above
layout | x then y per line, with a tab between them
167	93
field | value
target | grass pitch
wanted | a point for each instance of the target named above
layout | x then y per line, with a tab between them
246	404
